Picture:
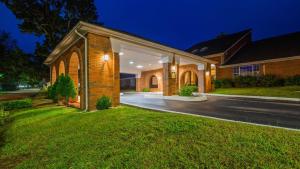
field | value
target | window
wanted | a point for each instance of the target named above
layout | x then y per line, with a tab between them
247	70
153	82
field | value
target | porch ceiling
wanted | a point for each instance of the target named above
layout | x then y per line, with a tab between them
137	58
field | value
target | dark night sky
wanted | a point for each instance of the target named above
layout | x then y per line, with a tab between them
182	23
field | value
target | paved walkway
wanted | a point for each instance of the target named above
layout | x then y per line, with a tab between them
275	113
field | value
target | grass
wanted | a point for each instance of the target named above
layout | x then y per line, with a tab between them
287	91
127	137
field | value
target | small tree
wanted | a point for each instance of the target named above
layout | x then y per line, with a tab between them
65	88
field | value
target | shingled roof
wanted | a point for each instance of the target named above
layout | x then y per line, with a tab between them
217	45
271	48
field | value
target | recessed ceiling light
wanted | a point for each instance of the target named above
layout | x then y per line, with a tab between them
139	66
131	62
160	61
121	53
149	64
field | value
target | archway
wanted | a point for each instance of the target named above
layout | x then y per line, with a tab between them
153	82
189	78
61	69
53	75
74	72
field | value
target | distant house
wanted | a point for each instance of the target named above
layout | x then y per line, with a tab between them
238	55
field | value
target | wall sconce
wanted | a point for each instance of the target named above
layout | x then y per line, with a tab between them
173	68
207	73
105	57
173	71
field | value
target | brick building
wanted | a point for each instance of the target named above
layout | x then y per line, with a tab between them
238	55
95	56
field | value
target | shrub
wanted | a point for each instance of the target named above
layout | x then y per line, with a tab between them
292	81
245	81
16	104
188	90
270	81
217	84
146	90
65	88
103	103
226	83
52	93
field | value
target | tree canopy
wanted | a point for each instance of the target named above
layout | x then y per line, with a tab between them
49	19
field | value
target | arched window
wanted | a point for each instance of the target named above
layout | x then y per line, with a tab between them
153	82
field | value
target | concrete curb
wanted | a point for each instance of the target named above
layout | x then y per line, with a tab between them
256	97
209	117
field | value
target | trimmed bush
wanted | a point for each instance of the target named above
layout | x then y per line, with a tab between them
188	90
293	81
245	81
52	93
65	88
103	103
146	90
270	81
217	84
16	104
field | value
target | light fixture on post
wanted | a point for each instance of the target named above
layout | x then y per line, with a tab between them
173	71
105	57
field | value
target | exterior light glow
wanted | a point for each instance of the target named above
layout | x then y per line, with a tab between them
139	66
131	62
160	61
173	68
105	58
207	73
121	53
213	65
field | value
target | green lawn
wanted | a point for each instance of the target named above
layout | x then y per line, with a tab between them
126	137
287	91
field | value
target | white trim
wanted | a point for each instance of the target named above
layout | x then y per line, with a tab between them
86	69
87	27
263	61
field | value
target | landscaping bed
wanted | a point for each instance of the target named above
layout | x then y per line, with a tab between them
286	91
127	137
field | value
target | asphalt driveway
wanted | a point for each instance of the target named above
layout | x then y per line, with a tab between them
275	113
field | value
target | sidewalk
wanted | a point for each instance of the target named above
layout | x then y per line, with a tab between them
256	97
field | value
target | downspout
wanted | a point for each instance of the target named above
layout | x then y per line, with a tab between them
85	69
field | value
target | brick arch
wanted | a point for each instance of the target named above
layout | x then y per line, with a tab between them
185	68
53	74
147	77
150	82
192	75
74	69
61	68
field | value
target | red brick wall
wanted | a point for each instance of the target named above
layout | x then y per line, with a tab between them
104	76
78	48
144	82
282	68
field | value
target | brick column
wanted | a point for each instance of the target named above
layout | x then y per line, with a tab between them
204	79
170	81
201	81
138	83
103	76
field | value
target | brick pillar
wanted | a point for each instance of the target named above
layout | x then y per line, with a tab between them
170	81
201	81
208	86
103	76
116	91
